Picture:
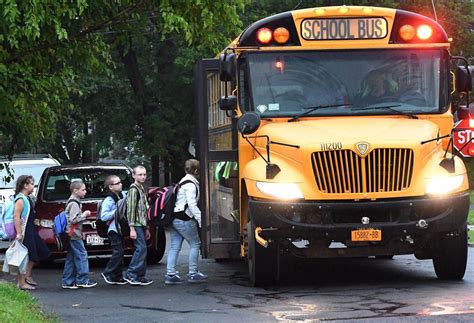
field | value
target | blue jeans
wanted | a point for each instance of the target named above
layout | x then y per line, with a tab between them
183	230
76	267
114	266
137	267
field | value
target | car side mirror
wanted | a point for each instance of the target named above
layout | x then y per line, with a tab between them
248	123
228	103
464	78
227	67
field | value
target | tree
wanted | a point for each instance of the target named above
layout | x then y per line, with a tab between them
48	49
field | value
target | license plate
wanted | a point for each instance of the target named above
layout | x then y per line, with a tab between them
94	240
366	235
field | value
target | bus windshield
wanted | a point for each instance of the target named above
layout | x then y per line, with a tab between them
348	82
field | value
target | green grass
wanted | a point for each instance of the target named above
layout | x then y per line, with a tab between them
19	306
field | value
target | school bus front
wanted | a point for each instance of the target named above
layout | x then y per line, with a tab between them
344	120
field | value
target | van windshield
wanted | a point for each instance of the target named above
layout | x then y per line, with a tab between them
35	170
288	83
58	182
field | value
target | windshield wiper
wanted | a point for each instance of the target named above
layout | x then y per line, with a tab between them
388	107
311	109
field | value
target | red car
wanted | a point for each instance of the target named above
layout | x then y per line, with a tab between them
53	192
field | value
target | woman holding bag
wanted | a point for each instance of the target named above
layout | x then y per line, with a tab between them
24	215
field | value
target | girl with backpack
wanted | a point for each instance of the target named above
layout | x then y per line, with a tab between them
25	209
186	226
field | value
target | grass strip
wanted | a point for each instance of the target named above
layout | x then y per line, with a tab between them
19	306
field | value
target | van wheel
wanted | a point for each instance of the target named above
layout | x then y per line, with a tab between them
157	250
450	255
262	262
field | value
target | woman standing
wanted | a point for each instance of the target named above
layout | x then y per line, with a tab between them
186	226
24	208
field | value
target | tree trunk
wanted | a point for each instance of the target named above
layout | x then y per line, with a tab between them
142	95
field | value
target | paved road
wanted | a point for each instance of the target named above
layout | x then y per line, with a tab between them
402	289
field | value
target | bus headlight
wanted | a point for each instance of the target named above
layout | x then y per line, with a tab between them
444	184
284	191
45	223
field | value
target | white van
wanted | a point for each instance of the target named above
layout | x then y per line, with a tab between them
28	164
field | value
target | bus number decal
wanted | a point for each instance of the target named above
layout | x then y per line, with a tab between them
347	28
331	146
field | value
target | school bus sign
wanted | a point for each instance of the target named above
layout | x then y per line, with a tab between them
463	135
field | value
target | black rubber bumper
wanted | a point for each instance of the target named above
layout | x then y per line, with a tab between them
335	220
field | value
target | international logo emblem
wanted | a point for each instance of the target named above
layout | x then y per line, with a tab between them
362	148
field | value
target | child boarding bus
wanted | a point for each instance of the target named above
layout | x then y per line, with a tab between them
327	132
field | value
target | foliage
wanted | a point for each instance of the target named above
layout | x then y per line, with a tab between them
113	79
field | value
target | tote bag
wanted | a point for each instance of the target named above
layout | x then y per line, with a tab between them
16	258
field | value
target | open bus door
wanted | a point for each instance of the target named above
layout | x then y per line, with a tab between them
217	151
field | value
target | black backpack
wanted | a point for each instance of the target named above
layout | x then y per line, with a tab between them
102	227
120	217
121	221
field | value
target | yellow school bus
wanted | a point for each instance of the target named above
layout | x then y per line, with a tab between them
327	132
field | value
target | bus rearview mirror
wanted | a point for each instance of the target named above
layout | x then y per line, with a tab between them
227	67
248	123
464	76
228	103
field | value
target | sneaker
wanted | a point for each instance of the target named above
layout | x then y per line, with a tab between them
87	284
107	279
131	280
197	277
72	286
173	279
145	281
120	281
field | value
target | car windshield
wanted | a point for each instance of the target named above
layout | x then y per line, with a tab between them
35	170
353	82
57	182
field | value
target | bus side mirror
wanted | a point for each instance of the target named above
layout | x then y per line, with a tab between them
464	78
227	67
228	103
248	123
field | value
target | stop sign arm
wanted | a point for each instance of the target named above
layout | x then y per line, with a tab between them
437	138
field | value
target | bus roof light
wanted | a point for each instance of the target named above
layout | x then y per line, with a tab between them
281	35
264	36
407	32
424	32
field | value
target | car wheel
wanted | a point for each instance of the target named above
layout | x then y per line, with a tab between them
450	255
157	249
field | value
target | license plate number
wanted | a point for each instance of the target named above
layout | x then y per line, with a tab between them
366	235
94	240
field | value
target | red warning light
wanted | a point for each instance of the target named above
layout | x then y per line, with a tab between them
424	32
264	36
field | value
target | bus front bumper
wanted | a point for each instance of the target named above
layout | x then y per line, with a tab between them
334	221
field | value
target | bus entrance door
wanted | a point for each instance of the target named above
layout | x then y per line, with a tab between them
217	152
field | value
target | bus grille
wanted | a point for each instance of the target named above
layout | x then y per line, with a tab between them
344	171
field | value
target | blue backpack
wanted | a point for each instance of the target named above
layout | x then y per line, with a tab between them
59	228
8	223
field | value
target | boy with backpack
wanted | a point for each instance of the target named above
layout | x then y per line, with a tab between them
76	267
137	209
186	226
112	273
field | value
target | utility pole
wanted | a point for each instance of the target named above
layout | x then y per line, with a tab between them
91	131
